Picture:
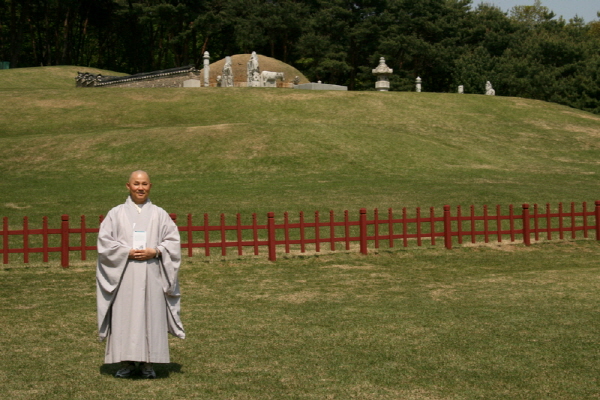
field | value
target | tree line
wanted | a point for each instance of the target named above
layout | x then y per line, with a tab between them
527	52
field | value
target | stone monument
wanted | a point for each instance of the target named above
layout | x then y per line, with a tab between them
206	68
461	89
319	86
382	72
489	90
418	84
269	78
227	77
191	83
253	71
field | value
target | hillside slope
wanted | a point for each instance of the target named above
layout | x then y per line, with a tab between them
69	150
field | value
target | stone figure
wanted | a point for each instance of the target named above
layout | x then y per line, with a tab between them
296	80
253	71
206	68
269	79
382	72
489	90
461	89
227	77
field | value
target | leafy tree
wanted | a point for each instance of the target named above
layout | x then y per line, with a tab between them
533	15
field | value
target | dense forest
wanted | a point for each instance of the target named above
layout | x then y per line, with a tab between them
526	52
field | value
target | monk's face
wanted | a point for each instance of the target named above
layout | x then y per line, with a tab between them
139	187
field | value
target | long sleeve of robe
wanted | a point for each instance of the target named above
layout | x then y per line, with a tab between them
138	302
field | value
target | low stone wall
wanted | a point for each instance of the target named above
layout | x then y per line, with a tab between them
156	82
173	77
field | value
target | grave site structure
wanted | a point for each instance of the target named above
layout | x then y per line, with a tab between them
173	77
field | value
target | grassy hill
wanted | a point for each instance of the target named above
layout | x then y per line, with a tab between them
476	322
69	150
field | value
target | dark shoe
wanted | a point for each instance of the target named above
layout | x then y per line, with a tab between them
127	369
148	371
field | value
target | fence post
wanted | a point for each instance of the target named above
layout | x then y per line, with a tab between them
83	239
526	228
190	236
25	239
64	245
447	228
45	238
363	231
271	231
5	240
597	210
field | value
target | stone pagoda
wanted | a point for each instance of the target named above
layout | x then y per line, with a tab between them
382	72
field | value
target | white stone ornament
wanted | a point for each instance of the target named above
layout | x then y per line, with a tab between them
206	68
382	72
227	76
253	70
489	90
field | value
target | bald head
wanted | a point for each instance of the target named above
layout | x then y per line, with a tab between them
139	173
139	186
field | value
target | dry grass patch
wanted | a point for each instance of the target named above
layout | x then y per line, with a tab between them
148	95
54	103
15	206
582	114
506	245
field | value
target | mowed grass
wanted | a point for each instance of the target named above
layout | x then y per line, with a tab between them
496	322
215	150
492	322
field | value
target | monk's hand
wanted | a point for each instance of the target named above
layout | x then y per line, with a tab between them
142	255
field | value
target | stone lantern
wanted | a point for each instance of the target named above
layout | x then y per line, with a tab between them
418	82
382	72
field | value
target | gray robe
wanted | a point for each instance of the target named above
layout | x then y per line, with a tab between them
138	301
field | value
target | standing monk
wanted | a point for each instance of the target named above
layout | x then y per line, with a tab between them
136	279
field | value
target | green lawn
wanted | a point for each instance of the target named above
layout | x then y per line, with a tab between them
490	322
69	150
477	322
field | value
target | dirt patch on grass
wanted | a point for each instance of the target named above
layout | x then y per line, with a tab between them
299	297
149	95
505	245
15	206
54	103
582	129
582	115
350	267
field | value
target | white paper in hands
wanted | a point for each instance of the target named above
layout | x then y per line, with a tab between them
139	240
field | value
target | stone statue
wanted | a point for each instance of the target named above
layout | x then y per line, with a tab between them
227	77
253	71
461	89
206	68
382	72
489	90
269	78
296	80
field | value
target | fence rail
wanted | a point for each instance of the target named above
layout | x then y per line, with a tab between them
334	234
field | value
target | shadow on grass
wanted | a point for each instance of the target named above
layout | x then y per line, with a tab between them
163	371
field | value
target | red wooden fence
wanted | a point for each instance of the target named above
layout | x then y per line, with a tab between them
388	230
